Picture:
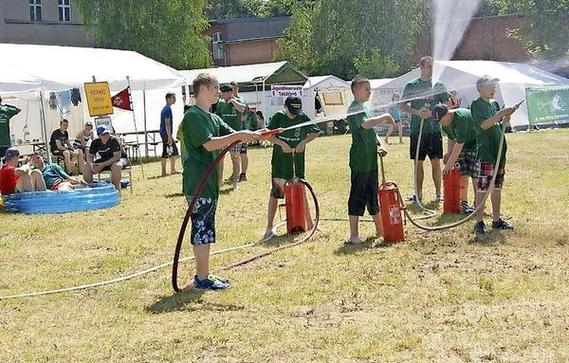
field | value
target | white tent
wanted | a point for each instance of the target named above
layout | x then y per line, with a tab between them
462	75
333	94
31	70
255	81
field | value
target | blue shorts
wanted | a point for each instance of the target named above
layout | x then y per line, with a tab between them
203	221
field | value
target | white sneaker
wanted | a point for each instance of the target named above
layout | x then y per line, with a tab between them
355	240
269	235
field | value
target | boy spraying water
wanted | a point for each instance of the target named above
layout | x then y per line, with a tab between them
287	161
489	118
363	159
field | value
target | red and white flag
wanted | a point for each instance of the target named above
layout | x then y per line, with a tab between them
123	100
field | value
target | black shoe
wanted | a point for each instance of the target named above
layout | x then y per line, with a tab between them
480	228
242	177
501	224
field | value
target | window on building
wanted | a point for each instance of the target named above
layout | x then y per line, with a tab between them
35	10
217	46
64	8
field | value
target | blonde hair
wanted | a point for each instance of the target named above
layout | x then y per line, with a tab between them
203	79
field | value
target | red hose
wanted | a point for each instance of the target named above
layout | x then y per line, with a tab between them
195	197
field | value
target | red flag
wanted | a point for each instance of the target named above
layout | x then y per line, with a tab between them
122	100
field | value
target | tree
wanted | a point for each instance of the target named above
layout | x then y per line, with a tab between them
349	37
281	7
167	31
223	9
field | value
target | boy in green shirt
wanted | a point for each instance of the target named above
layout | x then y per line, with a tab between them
288	148
489	118
363	159
419	97
230	110
204	134
459	127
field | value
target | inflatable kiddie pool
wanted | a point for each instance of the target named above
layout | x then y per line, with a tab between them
96	196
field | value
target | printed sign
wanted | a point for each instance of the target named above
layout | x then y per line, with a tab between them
99	98
547	104
285	91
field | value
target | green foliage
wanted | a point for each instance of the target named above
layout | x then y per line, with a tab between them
169	32
282	7
548	25
223	9
345	37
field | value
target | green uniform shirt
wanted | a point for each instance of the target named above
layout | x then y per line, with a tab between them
488	140
198	127
6	113
421	93
364	141
228	114
281	163
462	129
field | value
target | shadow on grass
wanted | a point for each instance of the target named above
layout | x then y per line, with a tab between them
491	238
188	300
174	195
369	243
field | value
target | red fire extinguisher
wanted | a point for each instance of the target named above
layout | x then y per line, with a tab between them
391	207
295	205
451	185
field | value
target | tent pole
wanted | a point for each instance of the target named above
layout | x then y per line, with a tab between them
264	100
145	131
44	128
134	120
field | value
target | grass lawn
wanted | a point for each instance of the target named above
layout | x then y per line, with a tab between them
436	297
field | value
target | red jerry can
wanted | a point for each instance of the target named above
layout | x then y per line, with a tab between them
451	185
390	212
295	208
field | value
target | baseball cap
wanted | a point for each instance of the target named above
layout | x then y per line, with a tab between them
103	129
10	153
294	105
486	79
439	111
225	88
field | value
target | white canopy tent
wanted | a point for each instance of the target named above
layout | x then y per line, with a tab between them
254	82
30	72
462	76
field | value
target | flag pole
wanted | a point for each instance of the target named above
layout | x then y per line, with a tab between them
135	128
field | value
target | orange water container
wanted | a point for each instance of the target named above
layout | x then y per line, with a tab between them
451	185
295	206
391	217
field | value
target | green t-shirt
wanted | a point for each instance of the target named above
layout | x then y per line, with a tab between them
462	129
53	174
281	163
488	140
364	141
251	121
6	113
198	127
228	114
421	93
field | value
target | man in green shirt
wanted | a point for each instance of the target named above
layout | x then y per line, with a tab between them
203	135
6	113
363	159
489	118
459	127
230	109
419	98
287	161
243	152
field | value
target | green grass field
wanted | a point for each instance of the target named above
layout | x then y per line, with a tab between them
436	297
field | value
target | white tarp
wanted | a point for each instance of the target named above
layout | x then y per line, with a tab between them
334	95
462	76
30	69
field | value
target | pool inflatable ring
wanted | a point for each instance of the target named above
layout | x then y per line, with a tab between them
97	196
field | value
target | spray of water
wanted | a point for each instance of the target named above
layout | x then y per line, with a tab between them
450	19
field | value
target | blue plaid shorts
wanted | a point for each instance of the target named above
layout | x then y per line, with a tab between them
203	221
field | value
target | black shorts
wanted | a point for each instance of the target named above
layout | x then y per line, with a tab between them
363	193
431	146
165	150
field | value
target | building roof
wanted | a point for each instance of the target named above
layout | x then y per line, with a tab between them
252	75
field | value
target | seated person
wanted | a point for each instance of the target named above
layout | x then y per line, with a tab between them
83	138
60	146
111	157
17	180
54	176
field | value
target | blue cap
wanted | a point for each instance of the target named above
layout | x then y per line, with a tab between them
103	129
10	153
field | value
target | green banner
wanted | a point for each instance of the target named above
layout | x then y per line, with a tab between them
547	104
